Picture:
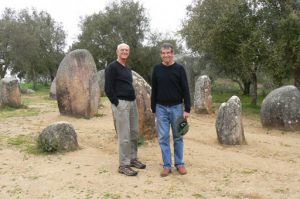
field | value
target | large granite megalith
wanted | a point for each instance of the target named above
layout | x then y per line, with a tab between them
229	123
101	81
10	93
203	98
52	93
281	108
77	89
143	100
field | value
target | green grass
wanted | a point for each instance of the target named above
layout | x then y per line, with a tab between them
111	196
247	108
27	143
141	140
39	87
2	138
6	112
40	96
198	195
223	90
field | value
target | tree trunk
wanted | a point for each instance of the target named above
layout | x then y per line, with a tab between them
3	71
2	74
297	77
253	91
51	73
34	79
247	84
241	85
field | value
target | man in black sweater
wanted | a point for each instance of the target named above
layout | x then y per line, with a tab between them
119	90
169	92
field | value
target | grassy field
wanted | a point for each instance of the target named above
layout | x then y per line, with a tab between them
223	89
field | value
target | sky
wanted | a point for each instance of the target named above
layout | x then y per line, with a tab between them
165	15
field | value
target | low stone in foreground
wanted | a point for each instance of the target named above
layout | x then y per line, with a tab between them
59	136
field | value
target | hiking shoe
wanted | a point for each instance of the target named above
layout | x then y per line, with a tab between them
165	172
137	164
181	170
127	171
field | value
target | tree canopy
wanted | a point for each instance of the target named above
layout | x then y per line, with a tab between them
31	44
122	21
119	22
242	37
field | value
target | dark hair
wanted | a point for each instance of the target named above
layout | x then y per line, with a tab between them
167	46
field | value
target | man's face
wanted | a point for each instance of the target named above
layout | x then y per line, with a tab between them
167	55
123	51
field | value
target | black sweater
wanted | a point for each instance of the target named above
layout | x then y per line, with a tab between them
118	83
170	86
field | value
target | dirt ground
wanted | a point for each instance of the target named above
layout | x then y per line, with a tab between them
268	167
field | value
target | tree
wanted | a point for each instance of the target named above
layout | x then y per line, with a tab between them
119	22
7	31
31	44
282	30
224	31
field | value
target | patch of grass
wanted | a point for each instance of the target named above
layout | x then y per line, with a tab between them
98	115
15	191
281	144
249	171
225	86
247	108
6	111
27	143
223	89
141	140
111	196
280	190
198	195
2	138
37	97
251	196
104	99
41	96
39	86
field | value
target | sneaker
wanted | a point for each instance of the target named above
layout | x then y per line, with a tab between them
181	170
137	164
127	171
165	172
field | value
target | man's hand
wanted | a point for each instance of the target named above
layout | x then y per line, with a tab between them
186	115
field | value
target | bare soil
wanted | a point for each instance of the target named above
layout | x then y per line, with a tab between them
267	167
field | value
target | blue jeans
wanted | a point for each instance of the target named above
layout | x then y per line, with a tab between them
165	117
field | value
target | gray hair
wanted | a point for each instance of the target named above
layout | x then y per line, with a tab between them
167	46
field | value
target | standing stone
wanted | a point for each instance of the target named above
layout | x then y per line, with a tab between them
52	93
10	93
77	89
101	81
59	136
229	124
143	100
146	118
203	98
281	108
